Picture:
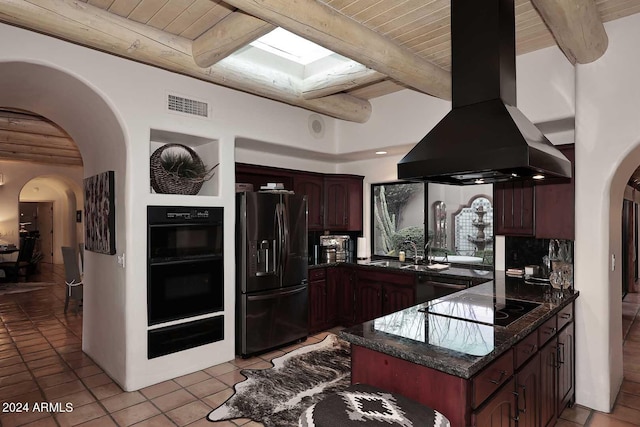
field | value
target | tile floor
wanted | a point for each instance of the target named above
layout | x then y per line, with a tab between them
41	361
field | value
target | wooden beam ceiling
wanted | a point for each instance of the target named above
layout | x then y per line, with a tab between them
32	138
324	25
400	44
576	26
84	24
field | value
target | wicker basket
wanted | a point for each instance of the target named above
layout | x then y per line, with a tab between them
166	182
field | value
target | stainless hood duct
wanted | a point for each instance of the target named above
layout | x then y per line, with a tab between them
484	138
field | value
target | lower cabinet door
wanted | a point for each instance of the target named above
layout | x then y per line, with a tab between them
317	305
500	410
565	364
548	368
528	393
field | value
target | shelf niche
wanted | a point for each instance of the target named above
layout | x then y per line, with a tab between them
206	148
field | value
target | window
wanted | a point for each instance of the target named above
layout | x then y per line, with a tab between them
398	216
458	220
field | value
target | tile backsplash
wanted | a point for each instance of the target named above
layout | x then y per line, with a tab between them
521	251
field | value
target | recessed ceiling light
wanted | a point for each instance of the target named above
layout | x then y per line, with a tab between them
479	181
381	152
538	176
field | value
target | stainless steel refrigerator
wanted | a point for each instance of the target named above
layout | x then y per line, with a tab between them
271	271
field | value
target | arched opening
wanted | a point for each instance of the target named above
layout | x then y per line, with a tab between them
50	203
71	102
619	184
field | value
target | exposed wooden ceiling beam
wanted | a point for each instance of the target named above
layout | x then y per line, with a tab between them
576	26
375	90
338	79
85	24
11	153
329	28
235	31
18	122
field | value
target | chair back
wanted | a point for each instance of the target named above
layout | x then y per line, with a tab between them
26	250
71	269
81	252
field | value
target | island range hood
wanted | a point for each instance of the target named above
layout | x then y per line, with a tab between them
484	138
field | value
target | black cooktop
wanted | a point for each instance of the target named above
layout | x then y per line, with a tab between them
481	309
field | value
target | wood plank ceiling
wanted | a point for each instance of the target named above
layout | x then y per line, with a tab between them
401	43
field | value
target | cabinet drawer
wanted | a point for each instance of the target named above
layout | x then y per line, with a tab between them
317	274
547	331
492	377
565	316
525	349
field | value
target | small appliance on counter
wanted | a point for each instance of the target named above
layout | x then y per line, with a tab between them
335	248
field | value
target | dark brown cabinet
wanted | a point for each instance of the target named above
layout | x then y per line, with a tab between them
261	175
312	185
514	208
566	366
543	383
555	204
334	276
499	411
346	297
343	203
527	389
377	293
548	384
368	300
334	201
317	300
397	297
544	211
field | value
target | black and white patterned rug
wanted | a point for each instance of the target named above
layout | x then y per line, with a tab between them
277	396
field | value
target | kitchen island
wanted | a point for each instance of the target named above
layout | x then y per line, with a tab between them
453	355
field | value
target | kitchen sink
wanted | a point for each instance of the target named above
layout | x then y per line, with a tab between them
380	263
416	267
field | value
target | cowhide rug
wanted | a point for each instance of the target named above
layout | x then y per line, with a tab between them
277	396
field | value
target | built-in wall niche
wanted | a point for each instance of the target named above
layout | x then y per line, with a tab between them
206	148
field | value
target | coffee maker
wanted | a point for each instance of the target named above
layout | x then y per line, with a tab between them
335	248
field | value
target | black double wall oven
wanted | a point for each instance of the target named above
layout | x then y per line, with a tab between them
185	276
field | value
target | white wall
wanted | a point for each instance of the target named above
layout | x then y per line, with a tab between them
607	152
109	105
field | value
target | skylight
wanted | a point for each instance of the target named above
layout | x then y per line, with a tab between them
290	46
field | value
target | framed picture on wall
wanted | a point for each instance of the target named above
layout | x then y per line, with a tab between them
99	213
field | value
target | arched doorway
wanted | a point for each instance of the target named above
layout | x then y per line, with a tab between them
85	113
55	201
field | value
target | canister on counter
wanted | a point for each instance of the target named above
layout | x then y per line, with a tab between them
401	256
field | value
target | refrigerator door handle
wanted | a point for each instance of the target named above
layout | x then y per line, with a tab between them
278	248
285	237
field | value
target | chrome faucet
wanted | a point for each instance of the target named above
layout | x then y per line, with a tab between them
427	252
416	258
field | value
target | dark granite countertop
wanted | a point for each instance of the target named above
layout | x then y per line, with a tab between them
463	347
463	271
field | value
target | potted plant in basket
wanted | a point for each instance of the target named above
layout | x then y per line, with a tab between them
177	169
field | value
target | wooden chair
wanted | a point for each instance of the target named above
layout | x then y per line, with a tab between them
73	278
19	268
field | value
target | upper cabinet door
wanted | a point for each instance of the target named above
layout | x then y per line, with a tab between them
313	187
555	204
514	208
343	203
